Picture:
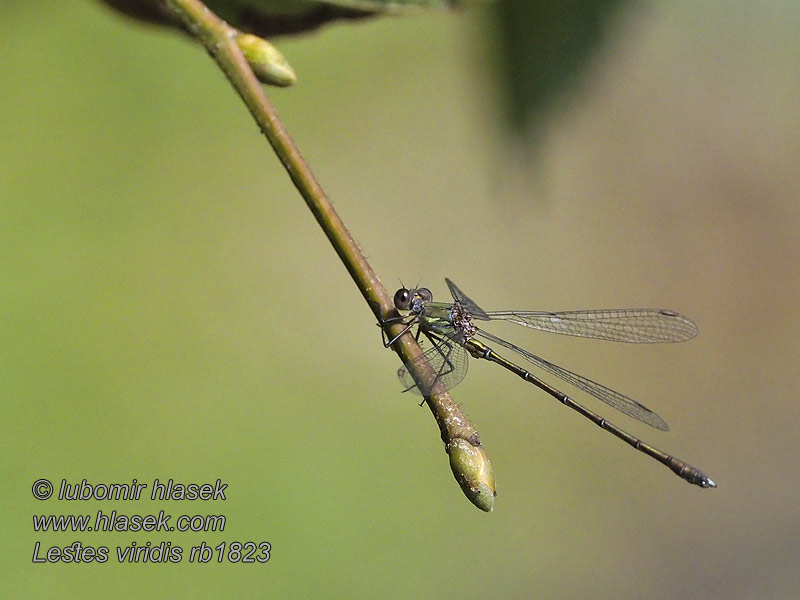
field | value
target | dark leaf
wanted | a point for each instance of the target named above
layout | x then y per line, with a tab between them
269	18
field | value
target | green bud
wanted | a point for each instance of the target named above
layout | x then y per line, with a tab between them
266	60
473	471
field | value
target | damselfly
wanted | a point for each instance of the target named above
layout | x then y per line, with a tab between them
453	334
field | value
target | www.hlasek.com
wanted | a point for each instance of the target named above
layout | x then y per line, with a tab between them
113	521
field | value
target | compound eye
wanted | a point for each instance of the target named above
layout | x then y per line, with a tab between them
425	294
402	299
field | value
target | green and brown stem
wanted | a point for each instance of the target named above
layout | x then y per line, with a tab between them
468	459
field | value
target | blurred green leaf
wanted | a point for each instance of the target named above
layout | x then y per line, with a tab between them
544	48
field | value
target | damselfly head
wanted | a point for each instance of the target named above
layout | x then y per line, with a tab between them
413	300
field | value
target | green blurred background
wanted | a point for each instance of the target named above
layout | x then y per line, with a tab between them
170	309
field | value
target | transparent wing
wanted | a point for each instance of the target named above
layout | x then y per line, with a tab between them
614	399
448	361
472	308
636	325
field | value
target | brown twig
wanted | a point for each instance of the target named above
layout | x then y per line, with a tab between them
468	460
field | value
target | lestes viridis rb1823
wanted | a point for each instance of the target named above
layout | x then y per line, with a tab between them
452	333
